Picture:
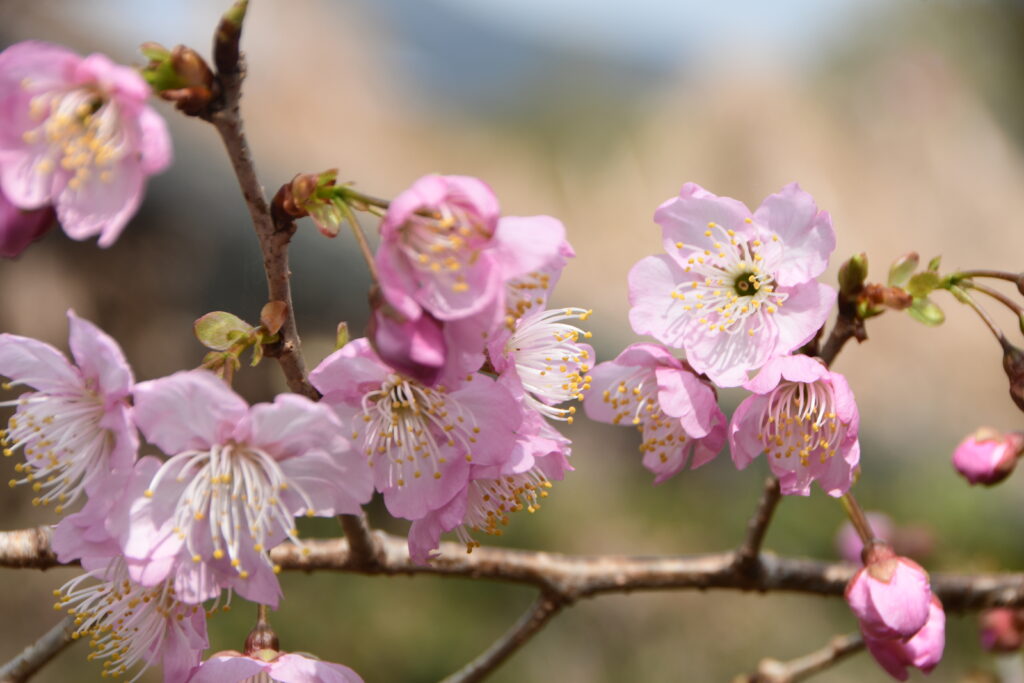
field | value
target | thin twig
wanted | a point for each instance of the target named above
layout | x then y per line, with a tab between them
1015	278
858	519
961	294
38	654
748	553
578	576
544	608
774	671
995	294
361	542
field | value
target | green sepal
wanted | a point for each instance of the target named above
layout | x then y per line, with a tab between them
926	312
902	268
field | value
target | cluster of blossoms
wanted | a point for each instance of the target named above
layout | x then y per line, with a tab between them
449	396
77	142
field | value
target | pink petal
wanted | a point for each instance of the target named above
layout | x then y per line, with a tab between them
743	430
155	144
496	413
726	358
605	377
124	82
419	496
100	358
349	373
101	207
38	365
653	310
19	228
293	668
802	315
425	533
226	669
685	219
528	243
806	234
335	483
182	648
293	425
22	181
682	395
191	409
46	65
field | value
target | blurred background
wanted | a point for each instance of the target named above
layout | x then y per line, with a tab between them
904	119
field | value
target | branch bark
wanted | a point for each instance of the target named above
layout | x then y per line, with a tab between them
774	671
544	608
38	654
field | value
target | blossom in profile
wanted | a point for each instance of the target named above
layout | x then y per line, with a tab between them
420	441
734	288
271	665
804	418
988	456
76	133
20	228
75	428
889	595
236	479
922	651
676	412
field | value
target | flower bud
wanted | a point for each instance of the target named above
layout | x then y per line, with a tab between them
889	595
415	348
1013	365
19	228
852	274
1001	629
988	456
180	75
902	268
312	194
922	651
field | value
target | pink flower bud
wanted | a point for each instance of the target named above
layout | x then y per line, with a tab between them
987	456
889	595
19	228
1001	629
415	348
923	650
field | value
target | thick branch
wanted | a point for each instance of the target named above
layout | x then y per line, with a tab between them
38	654
578	576
774	671
747	555
528	625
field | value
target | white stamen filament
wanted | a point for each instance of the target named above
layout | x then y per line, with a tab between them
800	418
490	501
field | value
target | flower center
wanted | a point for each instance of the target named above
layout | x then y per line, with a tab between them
63	444
410	428
636	399
490	501
550	362
443	244
235	496
799	418
127	623
732	285
82	128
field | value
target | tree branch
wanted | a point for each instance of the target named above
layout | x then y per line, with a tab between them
774	671
362	544
544	608
38	654
747	556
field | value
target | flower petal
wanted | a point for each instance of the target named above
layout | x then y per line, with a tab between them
100	358
191	409
807	236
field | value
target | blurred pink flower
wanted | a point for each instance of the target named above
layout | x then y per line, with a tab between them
19	228
1001	629
923	650
270	665
735	289
76	133
76	428
419	440
889	595
804	417
236	479
676	411
848	542
988	456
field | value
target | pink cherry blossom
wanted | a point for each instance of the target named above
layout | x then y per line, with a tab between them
270	665
889	595
19	228
676	412
76	132
735	289
419	440
804	417
131	626
533	251
923	650
543	353
75	428
236	479
988	456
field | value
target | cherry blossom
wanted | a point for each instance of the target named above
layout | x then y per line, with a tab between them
270	665
923	650
889	594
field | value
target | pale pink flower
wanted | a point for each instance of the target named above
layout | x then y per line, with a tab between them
889	595
76	133
533	253
545	357
735	288
988	456
923	650
676	412
419	440
75	428
19	228
270	665
804	417
237	478
133	627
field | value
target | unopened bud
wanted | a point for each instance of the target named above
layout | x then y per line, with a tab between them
890	595
313	195
852	274
1013	365
180	75
988	456
262	637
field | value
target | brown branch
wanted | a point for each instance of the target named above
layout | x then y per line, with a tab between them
571	577
747	555
544	608
38	654
27	548
362	543
774	671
